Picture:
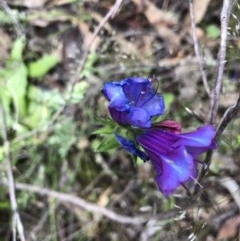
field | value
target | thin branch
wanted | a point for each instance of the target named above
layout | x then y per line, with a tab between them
16	220
232	186
18	27
217	84
79	202
228	116
110	14
196	48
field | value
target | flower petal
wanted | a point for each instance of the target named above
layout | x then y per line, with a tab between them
131	147
202	137
140	93
133	116
173	164
114	93
196	151
153	103
135	88
139	117
133	101
173	169
158	140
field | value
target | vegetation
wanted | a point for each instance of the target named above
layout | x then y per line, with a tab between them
60	165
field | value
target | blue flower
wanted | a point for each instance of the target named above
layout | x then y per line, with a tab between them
173	154
133	101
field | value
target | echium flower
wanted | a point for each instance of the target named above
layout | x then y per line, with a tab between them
172	153
133	101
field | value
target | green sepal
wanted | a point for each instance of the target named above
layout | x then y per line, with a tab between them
104	130
107	145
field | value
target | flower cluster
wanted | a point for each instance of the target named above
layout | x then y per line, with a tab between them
173	154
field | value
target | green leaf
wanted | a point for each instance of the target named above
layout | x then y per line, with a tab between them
5	96
108	144
238	139
4	18
17	85
13	81
105	121
104	130
137	160
78	92
41	66
168	99
52	99
63	136
38	115
213	31
42	103
17	49
89	65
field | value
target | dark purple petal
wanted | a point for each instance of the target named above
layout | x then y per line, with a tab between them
131	147
202	137
133	101
172	169
136	88
140	93
139	117
173	154
196	151
158	140
114	93
135	116
154	104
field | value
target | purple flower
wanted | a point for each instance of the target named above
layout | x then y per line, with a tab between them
172	154
133	101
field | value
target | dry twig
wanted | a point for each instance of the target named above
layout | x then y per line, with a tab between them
231	185
217	84
196	48
232	111
18	27
16	220
81	203
111	13
228	116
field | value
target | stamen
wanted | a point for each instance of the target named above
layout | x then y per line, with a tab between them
155	92
188	192
195	180
202	163
141	93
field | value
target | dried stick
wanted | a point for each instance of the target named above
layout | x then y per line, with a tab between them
228	116
18	27
232	186
217	82
111	13
16	220
79	202
196	48
215	93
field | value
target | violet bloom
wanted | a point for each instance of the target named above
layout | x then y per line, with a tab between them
173	154
133	101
